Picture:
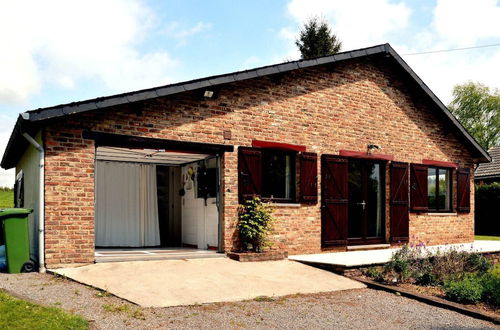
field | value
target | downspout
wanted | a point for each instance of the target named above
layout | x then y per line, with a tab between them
41	202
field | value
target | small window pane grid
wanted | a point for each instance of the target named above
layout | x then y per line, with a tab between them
439	189
278	175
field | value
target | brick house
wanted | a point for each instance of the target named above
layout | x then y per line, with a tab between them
352	148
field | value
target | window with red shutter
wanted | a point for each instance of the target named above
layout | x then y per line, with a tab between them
463	190
399	202
308	178
418	188
249	173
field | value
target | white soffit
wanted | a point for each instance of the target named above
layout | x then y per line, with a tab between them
154	156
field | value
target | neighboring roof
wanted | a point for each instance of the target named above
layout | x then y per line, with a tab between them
490	170
31	119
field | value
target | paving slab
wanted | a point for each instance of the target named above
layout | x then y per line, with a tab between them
164	283
376	257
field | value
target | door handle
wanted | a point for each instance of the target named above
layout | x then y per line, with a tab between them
363	203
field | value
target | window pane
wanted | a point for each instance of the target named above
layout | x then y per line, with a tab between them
431	187
375	200
277	173
444	189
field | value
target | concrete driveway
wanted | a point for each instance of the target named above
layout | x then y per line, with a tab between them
165	283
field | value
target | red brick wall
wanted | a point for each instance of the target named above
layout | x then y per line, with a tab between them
326	110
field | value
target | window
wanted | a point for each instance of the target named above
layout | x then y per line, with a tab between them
439	189
272	174
278	175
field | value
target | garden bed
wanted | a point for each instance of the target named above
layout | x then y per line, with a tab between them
463	278
432	296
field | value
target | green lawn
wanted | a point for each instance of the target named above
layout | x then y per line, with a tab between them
6	198
20	314
487	238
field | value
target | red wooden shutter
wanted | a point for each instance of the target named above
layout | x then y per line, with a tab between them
334	200
249	173
399	202
419	200
463	190
308	178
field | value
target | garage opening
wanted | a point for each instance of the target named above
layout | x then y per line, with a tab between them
155	202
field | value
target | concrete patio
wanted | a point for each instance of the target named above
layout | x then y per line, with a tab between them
352	259
164	283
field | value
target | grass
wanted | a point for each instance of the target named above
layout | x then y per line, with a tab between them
487	238
20	314
6	198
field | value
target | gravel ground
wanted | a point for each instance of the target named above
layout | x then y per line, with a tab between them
352	309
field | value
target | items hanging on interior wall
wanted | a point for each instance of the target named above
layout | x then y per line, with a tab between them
189	179
207	183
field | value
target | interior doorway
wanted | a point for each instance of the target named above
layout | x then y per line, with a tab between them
366	186
148	198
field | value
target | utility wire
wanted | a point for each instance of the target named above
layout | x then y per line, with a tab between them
452	50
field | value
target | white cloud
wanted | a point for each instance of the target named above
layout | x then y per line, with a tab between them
457	24
6	177
463	22
454	24
357	23
288	33
61	42
176	29
442	71
182	33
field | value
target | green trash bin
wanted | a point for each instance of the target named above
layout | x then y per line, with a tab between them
14	222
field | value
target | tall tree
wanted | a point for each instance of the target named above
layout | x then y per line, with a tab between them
317	39
477	107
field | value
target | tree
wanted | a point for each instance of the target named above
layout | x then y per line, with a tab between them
477	107
316	39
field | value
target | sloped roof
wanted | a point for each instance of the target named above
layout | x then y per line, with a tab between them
33	119
492	169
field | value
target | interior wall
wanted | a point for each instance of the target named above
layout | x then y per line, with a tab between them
162	183
175	223
199	216
169	205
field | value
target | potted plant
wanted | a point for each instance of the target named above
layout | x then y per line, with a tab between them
255	219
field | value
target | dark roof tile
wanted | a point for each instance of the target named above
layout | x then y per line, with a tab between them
492	168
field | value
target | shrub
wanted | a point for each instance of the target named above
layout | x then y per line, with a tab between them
423	271
491	288
424	267
476	262
375	273
467	290
401	263
255	218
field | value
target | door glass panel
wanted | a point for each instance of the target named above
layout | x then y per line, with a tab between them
355	199
375	200
444	190
431	187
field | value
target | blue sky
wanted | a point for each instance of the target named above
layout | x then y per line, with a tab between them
58	51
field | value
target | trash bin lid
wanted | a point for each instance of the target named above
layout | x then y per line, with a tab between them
5	213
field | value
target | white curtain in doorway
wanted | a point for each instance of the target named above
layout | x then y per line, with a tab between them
126	205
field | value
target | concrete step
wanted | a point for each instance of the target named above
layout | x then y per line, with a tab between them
166	256
368	247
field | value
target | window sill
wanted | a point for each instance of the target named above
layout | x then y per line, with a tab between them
285	204
444	214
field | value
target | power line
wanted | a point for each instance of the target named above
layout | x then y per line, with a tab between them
453	50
